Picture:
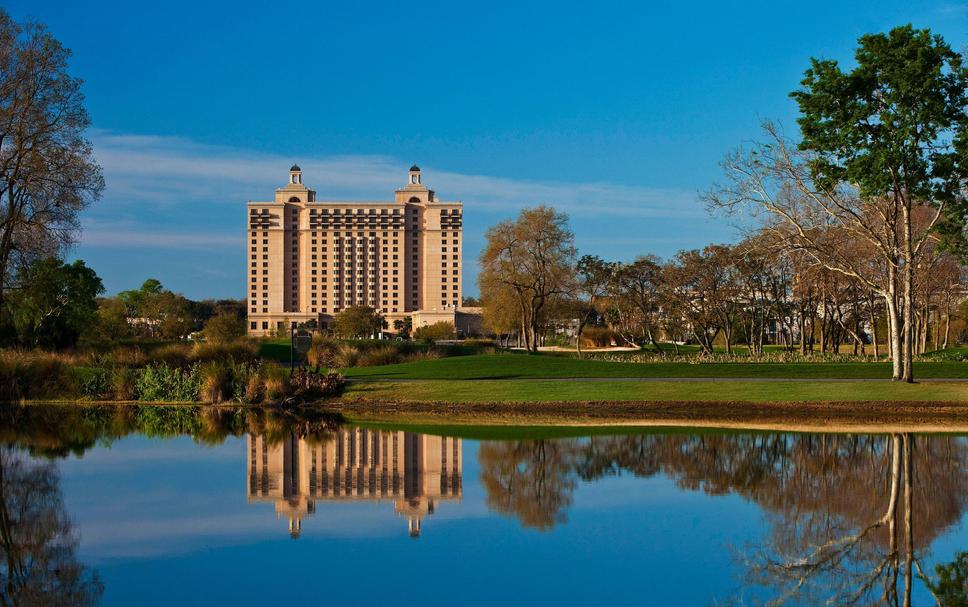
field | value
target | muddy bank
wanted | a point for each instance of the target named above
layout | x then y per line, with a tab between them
800	417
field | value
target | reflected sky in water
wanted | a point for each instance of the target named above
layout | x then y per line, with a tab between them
274	512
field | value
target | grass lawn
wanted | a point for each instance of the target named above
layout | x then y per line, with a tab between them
275	349
517	390
531	366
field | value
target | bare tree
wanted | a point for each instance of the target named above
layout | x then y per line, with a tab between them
47	170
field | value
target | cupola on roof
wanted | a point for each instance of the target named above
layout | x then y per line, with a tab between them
295	167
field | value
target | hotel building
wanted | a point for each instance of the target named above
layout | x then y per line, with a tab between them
415	471
309	259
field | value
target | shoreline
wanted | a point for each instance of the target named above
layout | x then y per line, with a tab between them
830	416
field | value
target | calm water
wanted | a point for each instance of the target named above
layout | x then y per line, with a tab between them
148	506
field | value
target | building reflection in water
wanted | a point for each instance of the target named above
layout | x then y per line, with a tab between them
416	471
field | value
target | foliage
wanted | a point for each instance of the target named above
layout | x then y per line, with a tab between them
436	331
530	261
56	303
311	383
403	326
224	327
950	588
48	173
357	322
162	383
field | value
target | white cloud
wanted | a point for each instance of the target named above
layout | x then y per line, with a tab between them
169	170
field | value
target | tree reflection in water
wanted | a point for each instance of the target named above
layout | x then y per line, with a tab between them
850	516
38	565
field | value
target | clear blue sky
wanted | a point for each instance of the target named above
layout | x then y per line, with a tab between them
617	113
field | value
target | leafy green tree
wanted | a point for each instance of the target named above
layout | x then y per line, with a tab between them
57	303
113	318
224	327
950	588
157	312
435	331
895	128
403	326
357	322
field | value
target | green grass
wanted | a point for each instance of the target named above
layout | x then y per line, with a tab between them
537	391
275	349
524	366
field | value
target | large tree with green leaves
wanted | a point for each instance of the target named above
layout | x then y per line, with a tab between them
57	303
893	128
47	169
358	322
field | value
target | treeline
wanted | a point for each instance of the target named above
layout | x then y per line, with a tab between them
862	218
749	294
54	304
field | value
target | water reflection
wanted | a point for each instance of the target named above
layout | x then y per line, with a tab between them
845	519
416	471
38	566
849	517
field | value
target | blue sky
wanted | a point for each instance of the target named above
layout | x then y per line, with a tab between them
617	113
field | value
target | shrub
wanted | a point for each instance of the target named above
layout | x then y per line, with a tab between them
347	355
36	375
224	328
171	355
598	337
322	352
254	389
123	381
435	331
215	381
311	383
275	380
243	351
387	355
126	356
95	383
168	384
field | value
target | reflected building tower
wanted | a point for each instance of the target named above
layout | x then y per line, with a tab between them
416	471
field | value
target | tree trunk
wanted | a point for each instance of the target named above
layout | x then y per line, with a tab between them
908	309
893	335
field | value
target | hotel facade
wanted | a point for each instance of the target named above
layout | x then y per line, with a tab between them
310	259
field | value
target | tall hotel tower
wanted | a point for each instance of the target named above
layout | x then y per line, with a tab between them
310	259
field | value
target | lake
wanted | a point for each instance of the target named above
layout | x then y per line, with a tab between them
198	506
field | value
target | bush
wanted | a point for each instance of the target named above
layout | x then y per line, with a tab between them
387	355
224	328
254	389
215	381
322	352
95	383
241	351
123	382
347	355
36	375
167	384
598	337
436	331
171	355
275	381
311	383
